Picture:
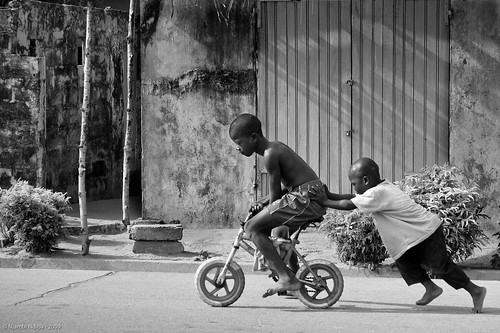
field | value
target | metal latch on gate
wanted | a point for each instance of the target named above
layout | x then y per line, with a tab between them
349	132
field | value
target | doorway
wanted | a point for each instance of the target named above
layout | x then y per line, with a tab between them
339	80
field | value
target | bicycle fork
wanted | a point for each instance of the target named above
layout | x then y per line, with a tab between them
238	242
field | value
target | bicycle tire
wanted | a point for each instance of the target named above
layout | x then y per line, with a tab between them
219	295
319	297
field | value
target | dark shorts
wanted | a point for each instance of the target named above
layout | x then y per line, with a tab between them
295	207
431	253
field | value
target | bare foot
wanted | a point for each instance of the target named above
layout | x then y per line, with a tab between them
283	287
478	300
429	296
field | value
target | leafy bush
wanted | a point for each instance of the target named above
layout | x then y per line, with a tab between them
32	216
440	189
356	237
444	191
495	261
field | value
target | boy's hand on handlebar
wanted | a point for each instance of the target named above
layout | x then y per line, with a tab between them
256	208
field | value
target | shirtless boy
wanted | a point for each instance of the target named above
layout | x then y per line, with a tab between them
411	234
290	207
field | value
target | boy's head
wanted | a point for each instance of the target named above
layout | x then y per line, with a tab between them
364	174
244	125
245	131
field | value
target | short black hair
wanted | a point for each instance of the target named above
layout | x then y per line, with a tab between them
368	167
244	125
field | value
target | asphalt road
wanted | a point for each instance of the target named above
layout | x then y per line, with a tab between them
105	301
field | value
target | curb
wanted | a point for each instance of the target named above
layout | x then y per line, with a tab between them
185	266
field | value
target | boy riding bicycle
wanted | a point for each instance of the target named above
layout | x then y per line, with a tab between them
290	180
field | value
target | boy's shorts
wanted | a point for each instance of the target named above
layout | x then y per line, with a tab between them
432	254
295	207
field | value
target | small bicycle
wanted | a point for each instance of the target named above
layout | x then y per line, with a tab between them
221	282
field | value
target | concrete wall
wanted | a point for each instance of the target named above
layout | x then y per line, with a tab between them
55	34
475	98
197	76
21	153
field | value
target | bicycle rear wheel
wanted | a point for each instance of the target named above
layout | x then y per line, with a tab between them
322	293
216	294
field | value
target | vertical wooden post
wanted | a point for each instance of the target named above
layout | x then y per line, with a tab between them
127	149
82	194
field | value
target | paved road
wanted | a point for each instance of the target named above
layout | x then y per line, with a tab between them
104	301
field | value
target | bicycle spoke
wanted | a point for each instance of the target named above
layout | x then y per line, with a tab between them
211	281
217	287
215	290
316	293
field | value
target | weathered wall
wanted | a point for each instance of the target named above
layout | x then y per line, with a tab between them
20	149
56	34
475	97
197	75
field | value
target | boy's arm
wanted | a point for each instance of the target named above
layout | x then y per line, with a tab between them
337	196
343	204
271	163
333	200
264	201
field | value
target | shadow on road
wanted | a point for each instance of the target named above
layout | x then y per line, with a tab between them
407	308
381	307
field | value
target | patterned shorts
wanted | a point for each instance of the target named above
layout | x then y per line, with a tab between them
295	207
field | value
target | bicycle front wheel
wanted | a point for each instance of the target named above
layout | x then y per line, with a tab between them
323	292
219	294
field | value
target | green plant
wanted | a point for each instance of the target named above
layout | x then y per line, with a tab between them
32	216
356	237
445	191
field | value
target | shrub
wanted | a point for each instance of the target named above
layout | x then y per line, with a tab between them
440	189
356	237
495	260
32	216
444	191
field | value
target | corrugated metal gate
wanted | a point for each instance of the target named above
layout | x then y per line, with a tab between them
338	80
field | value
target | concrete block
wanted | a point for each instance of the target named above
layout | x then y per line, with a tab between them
156	232
146	222
158	247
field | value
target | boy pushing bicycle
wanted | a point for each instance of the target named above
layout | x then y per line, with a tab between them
290	207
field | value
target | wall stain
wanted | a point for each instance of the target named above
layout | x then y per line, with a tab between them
475	171
222	80
150	14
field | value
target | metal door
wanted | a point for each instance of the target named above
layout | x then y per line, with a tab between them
338	80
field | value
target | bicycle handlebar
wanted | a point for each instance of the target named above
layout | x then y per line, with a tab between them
242	223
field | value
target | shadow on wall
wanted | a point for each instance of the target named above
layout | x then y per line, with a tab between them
109	209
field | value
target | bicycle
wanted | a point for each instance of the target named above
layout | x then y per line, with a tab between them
220	282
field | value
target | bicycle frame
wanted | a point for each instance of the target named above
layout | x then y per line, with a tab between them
291	243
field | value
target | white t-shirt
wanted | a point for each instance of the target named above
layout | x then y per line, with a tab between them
401	222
